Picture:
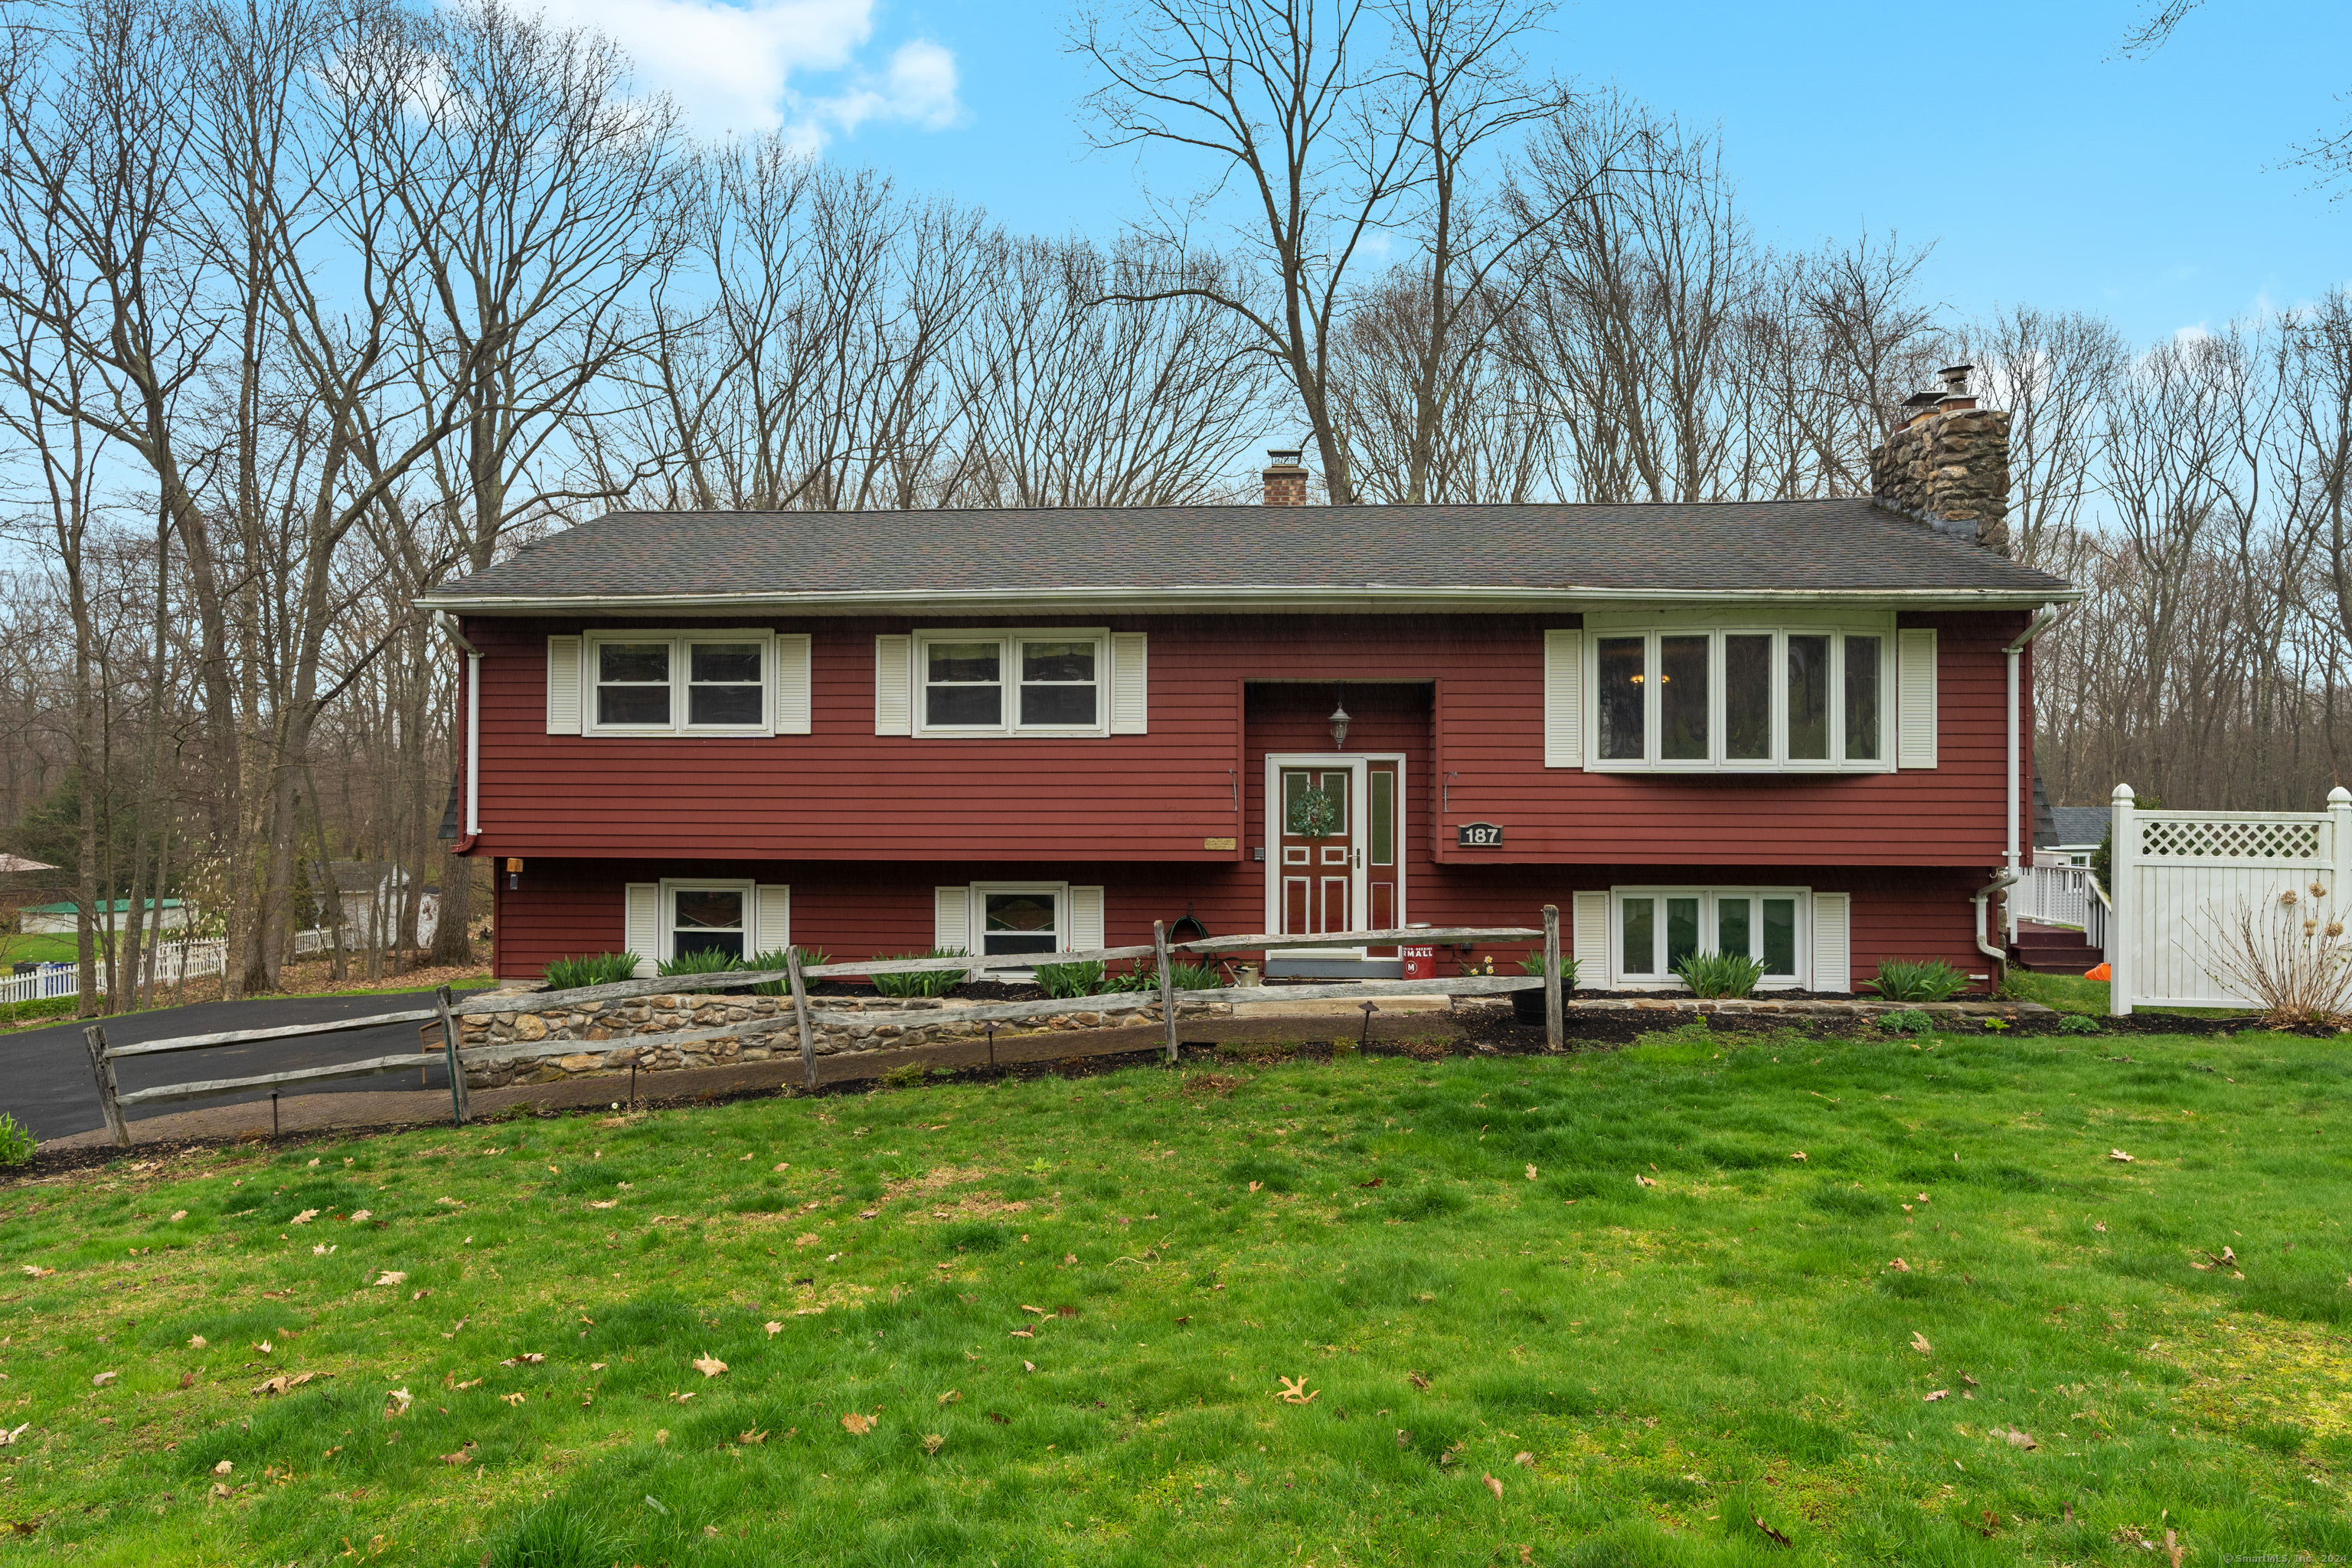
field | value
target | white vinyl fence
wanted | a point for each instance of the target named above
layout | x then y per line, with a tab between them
166	965
2182	876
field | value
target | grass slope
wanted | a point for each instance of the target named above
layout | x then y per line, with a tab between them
1067	1310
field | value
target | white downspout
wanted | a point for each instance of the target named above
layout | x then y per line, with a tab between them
2010	855
474	725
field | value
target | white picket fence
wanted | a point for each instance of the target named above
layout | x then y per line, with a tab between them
2182	876
166	965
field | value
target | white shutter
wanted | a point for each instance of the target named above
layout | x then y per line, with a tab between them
771	920
792	687
641	925
563	685
1563	700
1915	706
1130	697
894	703
1087	919
1833	941
1590	937
951	919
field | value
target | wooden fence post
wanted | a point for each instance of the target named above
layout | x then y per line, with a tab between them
449	1048
799	1011
1167	984
94	1037
1555	1022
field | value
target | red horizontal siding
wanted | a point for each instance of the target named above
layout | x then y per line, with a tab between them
566	907
1460	695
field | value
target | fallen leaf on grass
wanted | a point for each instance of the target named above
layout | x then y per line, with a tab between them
321	1250
708	1365
464	1456
392	1277
747	1438
1256	1185
36	1271
2121	1158
1919	1343
1028	1366
101	1379
195	1341
992	1416
1375	1181
1294	1391
305	1217
284	1380
223	1468
1800	1154
1531	1173
1039	1310
514	1398
1494	1486
396	1403
361	1217
1771	1534
7	1437
933	1443
470	1383
1642	1180
1418	1379
1899	1267
951	1396
179	1214
528	1358
774	1328
1940	1393
604	1203
857	1425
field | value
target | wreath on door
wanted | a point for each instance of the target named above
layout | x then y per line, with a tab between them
1317	814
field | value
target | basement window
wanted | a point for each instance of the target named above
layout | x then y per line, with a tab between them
1652	930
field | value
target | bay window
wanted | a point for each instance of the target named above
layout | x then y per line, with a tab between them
1738	698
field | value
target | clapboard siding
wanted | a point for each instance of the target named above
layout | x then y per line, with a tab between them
1466	702
566	907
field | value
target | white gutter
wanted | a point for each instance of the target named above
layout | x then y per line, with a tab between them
1212	597
2015	652
473	725
2006	880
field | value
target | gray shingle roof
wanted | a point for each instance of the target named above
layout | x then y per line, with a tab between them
1827	546
2079	824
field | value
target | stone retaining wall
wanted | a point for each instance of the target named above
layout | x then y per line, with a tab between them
836	1022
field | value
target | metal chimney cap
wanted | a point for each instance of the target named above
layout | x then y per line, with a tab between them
1955	377
1286	457
1923	400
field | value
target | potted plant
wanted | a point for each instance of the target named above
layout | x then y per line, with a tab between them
1528	1007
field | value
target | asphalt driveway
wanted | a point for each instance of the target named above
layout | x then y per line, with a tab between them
44	1077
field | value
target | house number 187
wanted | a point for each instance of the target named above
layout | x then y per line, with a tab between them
1477	835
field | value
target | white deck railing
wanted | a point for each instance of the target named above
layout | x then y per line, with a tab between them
2058	896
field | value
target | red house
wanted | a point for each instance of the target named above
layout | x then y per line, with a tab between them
1795	730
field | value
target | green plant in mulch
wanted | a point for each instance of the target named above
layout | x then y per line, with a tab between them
1934	981
600	969
2078	1024
922	983
1136	976
1062	980
1533	964
17	1146
780	958
709	960
1720	974
1907	1022
1182	976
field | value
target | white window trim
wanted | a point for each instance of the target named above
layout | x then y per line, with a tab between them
977	914
1600	627
1618	980
666	910
1009	680
679	640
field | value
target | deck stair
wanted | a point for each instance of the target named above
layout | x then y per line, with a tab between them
2052	950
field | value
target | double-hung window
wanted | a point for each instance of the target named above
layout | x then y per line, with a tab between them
1740	699
713	683
1010	683
1652	930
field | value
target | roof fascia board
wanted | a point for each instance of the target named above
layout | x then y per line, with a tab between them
1374	598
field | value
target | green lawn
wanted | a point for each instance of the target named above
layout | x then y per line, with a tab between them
44	948
1067	1310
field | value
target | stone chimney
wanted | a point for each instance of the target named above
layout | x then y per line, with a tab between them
1948	465
1286	476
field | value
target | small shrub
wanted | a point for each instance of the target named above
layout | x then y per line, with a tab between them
1996	1026
906	1074
2293	957
1720	974
923	983
602	969
1063	980
709	960
2078	1024
1935	980
1906	1023
1194	976
780	958
1533	964
17	1146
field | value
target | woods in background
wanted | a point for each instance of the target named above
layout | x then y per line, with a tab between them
312	303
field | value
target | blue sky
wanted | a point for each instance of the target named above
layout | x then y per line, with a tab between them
2045	167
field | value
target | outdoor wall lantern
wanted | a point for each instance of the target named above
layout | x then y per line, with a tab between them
1340	721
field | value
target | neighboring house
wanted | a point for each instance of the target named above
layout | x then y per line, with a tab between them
50	919
1788	728
2074	834
365	886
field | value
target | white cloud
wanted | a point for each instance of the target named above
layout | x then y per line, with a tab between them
768	64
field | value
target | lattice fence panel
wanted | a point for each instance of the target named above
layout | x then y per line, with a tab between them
2165	838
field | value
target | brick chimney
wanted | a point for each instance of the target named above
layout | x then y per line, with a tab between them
1948	465
1286	476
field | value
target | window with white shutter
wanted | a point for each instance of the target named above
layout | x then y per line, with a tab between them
771	919
894	705
951	919
1588	935
1915	698
1087	919
792	683
563	685
1833	941
1130	697
1563	700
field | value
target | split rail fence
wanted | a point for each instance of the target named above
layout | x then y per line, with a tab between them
1166	996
